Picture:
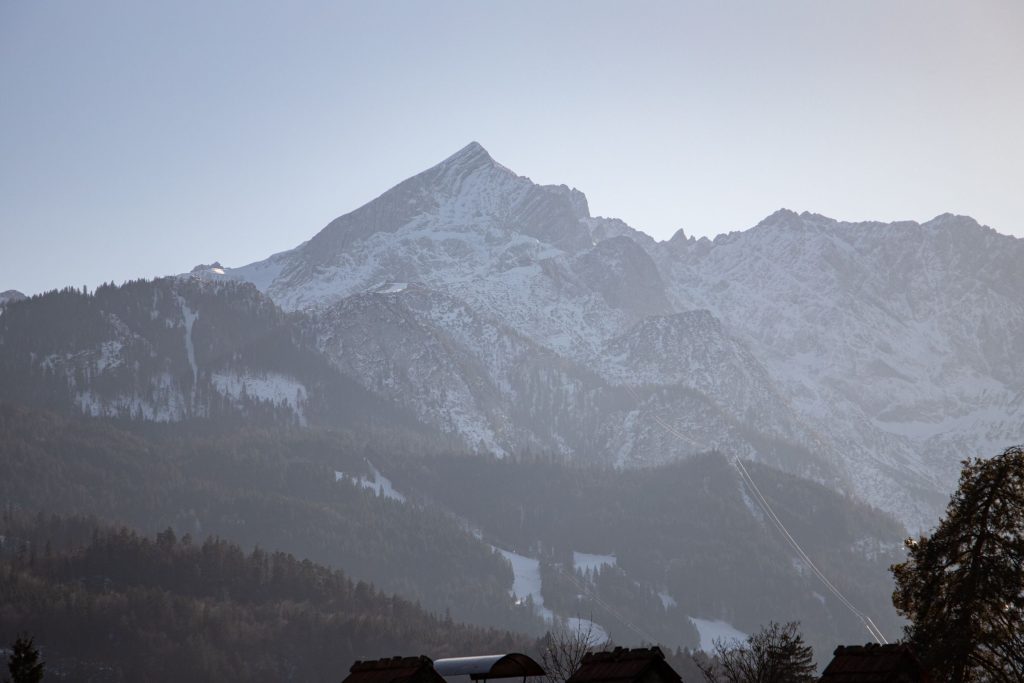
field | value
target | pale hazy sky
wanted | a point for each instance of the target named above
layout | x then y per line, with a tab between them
139	139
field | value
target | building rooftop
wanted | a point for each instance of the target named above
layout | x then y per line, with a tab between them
394	670
894	663
623	665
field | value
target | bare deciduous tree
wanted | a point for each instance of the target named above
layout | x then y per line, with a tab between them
775	654
565	647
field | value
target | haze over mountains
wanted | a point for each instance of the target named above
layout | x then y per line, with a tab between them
872	357
469	313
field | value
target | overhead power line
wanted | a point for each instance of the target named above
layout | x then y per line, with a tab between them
765	506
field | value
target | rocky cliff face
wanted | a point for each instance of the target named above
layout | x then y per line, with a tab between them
899	343
870	356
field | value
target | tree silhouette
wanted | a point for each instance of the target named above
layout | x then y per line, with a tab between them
564	649
23	664
963	586
775	654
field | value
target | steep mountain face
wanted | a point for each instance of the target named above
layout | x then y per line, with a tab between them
458	221
625	276
462	371
901	342
692	351
872	357
504	393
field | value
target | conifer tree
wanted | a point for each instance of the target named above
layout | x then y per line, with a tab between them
963	586
23	664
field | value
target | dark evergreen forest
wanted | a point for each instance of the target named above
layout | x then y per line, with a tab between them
687	528
119	351
684	530
256	487
110	605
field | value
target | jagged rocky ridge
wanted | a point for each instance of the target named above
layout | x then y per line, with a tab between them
870	356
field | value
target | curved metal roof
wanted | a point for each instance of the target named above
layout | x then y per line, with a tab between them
511	665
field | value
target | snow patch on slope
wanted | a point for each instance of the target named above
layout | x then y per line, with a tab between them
527	582
714	629
597	635
379	484
274	387
584	562
190	316
167	404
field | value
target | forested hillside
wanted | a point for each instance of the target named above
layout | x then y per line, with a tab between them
110	605
174	349
689	531
256	487
682	542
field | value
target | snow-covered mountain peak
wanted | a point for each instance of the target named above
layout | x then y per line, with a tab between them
461	220
472	155
782	217
953	220
787	222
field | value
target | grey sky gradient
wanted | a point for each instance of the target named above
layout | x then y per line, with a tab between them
138	139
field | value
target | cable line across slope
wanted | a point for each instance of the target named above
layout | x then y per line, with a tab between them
766	507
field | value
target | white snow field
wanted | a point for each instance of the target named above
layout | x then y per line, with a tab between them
527	582
712	630
584	562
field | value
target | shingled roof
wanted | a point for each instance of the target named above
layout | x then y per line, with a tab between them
872	663
625	666
394	670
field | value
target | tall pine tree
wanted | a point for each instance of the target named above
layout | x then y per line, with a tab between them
963	586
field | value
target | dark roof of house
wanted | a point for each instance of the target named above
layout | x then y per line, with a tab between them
895	663
394	670
623	666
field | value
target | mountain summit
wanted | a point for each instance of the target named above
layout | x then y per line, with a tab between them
471	155
466	217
